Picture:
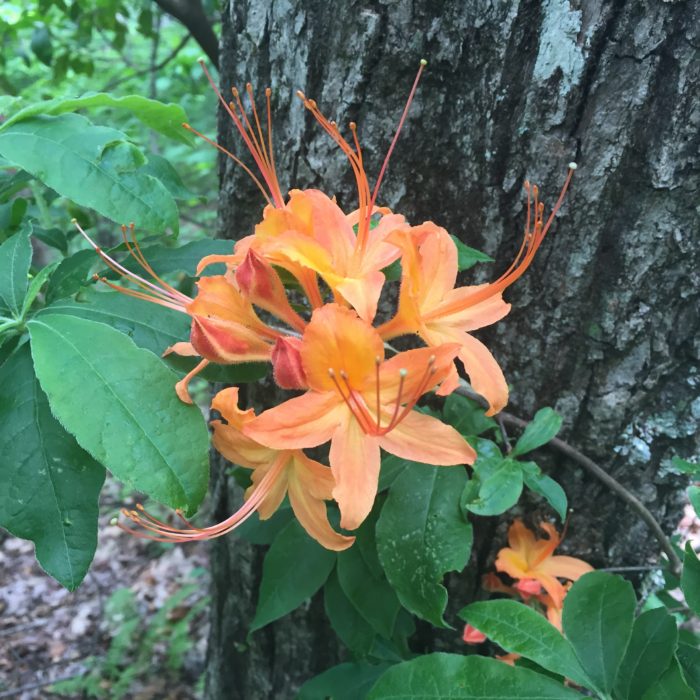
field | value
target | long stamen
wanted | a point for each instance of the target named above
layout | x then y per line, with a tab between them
162	532
264	165
351	401
377	363
531	242
167	296
385	164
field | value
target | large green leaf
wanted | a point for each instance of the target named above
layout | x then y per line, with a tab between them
363	582
421	535
689	658
70	275
348	681
15	259
650	650
295	567
597	619
519	629
690	579
150	326
500	485
165	118
441	676
540	430
352	629
119	402
671	686
48	484
92	165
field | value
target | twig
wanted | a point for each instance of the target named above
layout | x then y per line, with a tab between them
640	569
504	432
36	686
114	83
8	631
599	473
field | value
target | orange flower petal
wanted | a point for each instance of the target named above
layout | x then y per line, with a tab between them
336	338
565	567
354	459
485	374
304	421
481	314
423	438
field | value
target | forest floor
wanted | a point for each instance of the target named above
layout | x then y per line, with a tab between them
141	608
135	629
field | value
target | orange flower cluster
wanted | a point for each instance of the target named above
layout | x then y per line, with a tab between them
536	570
329	346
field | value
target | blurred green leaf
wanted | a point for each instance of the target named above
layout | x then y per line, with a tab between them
689	660
86	163
690	578
41	45
134	423
48	484
70	275
15	259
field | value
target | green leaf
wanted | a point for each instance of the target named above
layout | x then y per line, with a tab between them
421	535
164	118
694	498
500	487
546	487
468	257
150	326
685	466
348	624
441	676
53	237
348	681
519	629
48	484
92	165
541	429
70	275
362	579
650	650
690	579
597	619
689	658
184	258
295	567
466	415
671	686
15	259
119	402
12	213
36	284
162	170
391	468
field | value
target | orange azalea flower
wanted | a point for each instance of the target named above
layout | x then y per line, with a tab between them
360	402
225	328
430	305
275	474
529	558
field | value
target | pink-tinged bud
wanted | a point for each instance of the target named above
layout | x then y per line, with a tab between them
472	635
259	281
528	587
286	363
214	341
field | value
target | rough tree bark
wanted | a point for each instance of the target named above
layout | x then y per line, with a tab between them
604	326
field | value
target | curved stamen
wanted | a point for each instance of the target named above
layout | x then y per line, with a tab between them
162	532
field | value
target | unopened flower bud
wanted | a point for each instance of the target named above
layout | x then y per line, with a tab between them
259	281
214	341
473	636
286	363
528	587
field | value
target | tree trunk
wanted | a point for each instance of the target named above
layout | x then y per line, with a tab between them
604	325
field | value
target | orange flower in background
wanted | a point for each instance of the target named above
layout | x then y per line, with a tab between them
275	474
531	559
361	403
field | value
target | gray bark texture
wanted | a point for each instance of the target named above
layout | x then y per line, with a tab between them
604	326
